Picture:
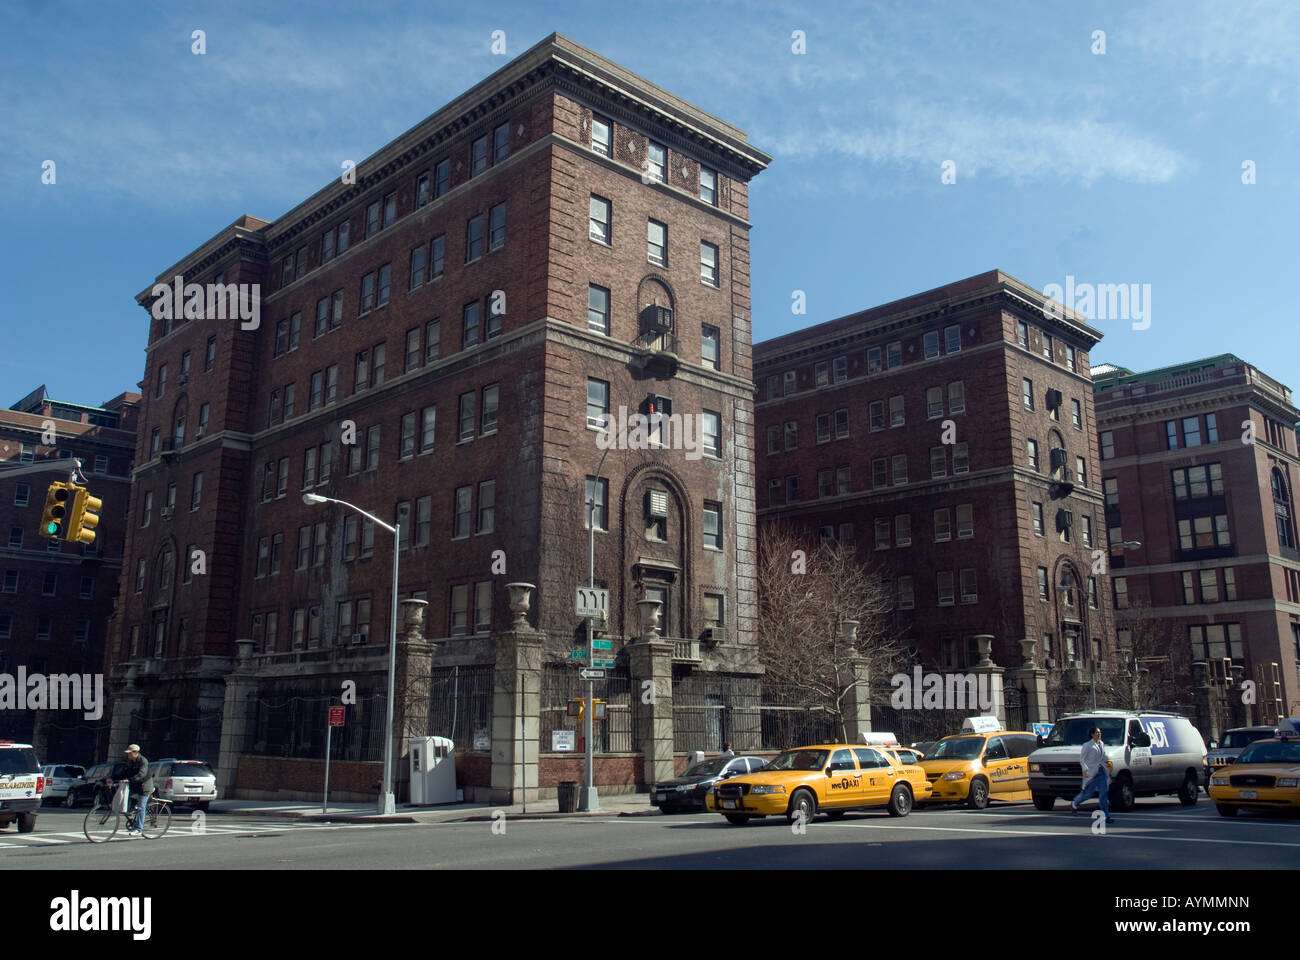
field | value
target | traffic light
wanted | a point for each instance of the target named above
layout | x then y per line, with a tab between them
58	510
84	517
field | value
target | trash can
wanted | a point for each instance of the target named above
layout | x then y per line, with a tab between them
568	796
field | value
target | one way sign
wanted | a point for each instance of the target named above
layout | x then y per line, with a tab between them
591	674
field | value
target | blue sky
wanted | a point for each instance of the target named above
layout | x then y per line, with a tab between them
1122	167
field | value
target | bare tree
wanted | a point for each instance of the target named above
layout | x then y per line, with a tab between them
805	592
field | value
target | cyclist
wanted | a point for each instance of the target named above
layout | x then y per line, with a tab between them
141	785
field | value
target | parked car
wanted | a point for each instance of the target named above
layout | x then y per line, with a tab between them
21	785
1265	776
1148	753
58	778
97	784
1234	741
188	782
687	792
822	778
924	747
975	768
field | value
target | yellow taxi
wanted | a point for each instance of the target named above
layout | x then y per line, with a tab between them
830	778
980	764
1265	775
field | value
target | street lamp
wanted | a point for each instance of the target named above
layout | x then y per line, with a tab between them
386	802
588	797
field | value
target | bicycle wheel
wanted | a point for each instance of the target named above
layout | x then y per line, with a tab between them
101	824
157	818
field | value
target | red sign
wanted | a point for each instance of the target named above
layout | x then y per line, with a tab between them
336	716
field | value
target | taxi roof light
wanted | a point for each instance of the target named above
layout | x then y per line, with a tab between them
981	725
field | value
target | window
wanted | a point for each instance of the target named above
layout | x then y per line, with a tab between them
461	518
657	242
791	489
960	458
1203	533
402	522
474	238
372	448
823	423
1081	471
459	609
788	383
1076	415
350	527
277	542
11	581
1216	641
1229	584
882	533
938	462
906	597
712	525
487	499
478	155
1111	488
437	251
196	489
148	508
423	518
490	400
841	423
903	530
43	625
965	522
428	420
367	294
1171	434
49	584
153	443
1211	429
1047	345
894	354
331	383
372	219
957	397
418	256
942	525
497	226
878	473
326	462
931	343
952	339
873	360
299	626
1191	431
933	402
896	415
1031	449
1036	509
139	577
710	352
501	142
598	405
1070	360
969	586
825	483
1027	393
483	606
263	556
843	480
1209	585
1121	593
421	191
708	264
22	493
162	381
88	587
773	439
367	537
1042	584
877	415
657	161
304	548
943	580
598	227
406	443
378	356
900	469
1085	527
210	355
708	185
1196	482
598	490
441	180
602	139
712	438
598	309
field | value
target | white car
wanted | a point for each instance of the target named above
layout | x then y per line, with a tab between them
58	778
188	782
21	785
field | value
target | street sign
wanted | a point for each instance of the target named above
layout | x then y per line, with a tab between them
336	716
562	741
602	644
577	654
591	674
601	663
592	602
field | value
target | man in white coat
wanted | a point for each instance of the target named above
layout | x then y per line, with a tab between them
1096	775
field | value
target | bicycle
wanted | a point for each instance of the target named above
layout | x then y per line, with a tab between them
102	824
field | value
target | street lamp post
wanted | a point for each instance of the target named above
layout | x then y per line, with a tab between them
588	799
386	800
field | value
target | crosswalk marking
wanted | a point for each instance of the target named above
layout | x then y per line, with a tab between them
179	828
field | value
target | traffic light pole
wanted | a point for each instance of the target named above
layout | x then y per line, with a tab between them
32	469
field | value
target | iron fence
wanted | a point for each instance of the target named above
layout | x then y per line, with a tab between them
460	705
615	733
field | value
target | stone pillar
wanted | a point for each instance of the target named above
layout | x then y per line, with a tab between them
651	658
128	701
988	677
516	705
857	703
238	719
414	672
1033	680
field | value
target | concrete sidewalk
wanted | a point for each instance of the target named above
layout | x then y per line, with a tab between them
616	805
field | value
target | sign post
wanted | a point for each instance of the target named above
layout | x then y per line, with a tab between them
590	602
336	720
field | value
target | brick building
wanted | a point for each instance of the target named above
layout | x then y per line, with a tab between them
437	344
1212	501
977	532
57	598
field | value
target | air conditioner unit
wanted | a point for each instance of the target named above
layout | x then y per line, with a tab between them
166	512
1059	457
1053	399
358	638
1064	519
656	503
658	318
715	635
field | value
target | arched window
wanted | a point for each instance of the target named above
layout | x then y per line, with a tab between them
164	573
1282	510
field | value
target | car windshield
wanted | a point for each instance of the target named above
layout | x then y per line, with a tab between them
1074	732
709	768
799	760
1276	751
958	748
191	770
69	772
13	762
1236	739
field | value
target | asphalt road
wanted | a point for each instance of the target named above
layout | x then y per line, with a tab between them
1159	833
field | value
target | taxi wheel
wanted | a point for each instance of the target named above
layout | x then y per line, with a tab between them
1225	810
802	807
900	801
739	819
978	798
1191	789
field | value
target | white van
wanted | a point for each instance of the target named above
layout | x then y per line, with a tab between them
21	785
1149	753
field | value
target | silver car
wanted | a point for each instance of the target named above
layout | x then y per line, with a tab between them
58	778
187	782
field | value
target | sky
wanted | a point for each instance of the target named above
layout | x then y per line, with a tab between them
913	144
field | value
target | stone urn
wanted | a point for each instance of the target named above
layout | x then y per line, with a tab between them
1028	647
985	642
413	619
849	634
649	618
521	598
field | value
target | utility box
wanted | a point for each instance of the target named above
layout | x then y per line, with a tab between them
433	771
